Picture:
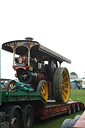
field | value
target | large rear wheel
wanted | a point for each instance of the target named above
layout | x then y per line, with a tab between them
61	85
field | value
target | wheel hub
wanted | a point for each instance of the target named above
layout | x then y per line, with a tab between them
14	123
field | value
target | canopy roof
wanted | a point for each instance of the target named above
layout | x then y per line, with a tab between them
37	50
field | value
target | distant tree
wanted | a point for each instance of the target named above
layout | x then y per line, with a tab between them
73	75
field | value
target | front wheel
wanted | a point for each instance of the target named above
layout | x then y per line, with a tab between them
61	85
43	89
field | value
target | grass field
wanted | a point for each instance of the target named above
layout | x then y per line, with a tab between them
56	122
78	94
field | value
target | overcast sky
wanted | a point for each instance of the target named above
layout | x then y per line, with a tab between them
56	24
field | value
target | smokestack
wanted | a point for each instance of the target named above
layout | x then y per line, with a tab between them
29	38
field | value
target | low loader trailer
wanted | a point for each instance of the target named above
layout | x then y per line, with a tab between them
19	109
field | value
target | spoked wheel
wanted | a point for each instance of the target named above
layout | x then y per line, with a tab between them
28	117
43	89
25	77
61	85
10	84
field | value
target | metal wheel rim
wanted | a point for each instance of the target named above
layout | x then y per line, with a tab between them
28	120
14	123
11	86
65	86
44	91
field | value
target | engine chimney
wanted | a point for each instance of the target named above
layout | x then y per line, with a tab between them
29	38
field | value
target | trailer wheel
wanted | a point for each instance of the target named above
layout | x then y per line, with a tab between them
74	110
10	84
69	111
42	88
28	117
15	120
15	116
78	108
61	85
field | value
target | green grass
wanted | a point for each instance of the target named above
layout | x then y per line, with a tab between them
78	94
56	122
